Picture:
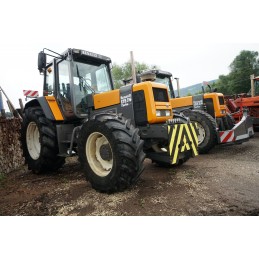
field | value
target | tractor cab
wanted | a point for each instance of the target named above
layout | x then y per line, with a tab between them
159	76
73	77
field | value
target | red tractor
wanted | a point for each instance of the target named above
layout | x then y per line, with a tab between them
237	104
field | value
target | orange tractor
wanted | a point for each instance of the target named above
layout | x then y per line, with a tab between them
250	102
111	130
208	111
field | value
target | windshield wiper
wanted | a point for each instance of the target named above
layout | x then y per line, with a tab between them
82	81
80	78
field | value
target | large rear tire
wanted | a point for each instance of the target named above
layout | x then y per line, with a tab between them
111	153
207	129
39	142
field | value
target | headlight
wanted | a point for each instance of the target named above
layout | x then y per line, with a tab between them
167	113
223	111
163	113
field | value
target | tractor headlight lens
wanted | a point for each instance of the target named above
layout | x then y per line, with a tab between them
223	111
167	113
158	113
163	113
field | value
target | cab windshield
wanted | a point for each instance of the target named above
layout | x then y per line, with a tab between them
165	81
88	79
95	78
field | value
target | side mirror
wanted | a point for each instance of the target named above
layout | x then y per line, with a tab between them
41	61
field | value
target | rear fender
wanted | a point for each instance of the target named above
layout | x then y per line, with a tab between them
49	106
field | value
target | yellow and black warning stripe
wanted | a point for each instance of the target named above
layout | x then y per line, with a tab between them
183	137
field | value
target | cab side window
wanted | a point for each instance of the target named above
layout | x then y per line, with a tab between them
103	83
64	85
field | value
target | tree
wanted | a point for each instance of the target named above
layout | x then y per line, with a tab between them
124	72
238	80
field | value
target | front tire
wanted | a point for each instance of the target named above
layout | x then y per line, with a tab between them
111	153
39	142
207	129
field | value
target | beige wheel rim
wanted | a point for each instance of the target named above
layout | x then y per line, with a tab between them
33	140
100	166
201	133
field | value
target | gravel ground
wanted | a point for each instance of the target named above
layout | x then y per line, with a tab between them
223	182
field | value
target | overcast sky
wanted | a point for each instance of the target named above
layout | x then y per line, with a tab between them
195	40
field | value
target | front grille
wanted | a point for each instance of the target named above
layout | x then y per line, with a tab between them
221	100
160	95
140	110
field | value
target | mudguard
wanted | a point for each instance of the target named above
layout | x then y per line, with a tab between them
241	132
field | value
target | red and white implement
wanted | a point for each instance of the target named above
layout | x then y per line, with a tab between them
242	131
226	136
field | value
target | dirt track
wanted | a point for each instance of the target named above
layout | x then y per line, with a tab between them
224	182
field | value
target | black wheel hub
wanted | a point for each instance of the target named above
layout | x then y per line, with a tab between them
105	152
